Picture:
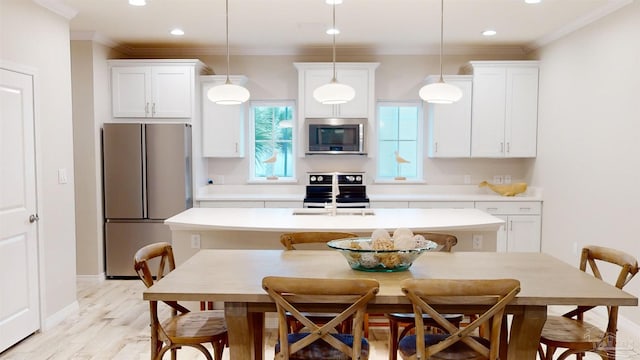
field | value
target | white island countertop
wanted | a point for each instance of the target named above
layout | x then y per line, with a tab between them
284	220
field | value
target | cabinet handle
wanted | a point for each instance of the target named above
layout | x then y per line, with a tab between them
492	209
525	209
510	225
501	147
236	148
153	109
436	147
146	109
508	147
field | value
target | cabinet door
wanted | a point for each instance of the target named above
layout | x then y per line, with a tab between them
487	125
314	78
358	79
523	233
222	128
521	124
172	91
502	235
450	124
131	91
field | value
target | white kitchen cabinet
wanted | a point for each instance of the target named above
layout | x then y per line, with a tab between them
153	89
450	124
360	76
505	108
522	229
222	125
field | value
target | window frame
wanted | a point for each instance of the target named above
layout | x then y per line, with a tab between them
420	141
252	140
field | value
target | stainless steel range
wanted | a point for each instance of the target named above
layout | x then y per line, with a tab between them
352	191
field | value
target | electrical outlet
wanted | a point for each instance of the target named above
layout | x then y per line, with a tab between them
497	179
507	179
195	241
467	179
477	242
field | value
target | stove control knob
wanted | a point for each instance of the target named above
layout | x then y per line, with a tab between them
319	178
350	178
358	178
313	178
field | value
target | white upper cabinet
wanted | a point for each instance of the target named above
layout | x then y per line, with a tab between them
450	124
360	76
153	89
504	108
222	125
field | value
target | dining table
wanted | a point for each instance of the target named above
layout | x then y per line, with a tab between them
234	277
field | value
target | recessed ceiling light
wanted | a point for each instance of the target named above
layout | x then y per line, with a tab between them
532	1
138	2
177	32
331	2
333	31
489	32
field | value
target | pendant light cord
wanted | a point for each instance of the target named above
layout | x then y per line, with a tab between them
441	35
227	30
334	42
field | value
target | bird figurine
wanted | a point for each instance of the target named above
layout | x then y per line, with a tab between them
506	189
400	160
272	160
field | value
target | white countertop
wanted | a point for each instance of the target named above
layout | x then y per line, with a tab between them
283	220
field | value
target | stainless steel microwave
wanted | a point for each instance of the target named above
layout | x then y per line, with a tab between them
336	136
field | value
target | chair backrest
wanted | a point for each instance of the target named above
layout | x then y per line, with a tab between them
288	240
495	293
592	255
290	293
447	241
144	255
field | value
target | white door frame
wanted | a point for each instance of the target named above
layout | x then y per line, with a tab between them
33	72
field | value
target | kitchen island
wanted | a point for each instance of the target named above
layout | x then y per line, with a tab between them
260	228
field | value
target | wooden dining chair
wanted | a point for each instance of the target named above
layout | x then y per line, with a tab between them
321	341
407	320
289	240
457	343
570	331
182	327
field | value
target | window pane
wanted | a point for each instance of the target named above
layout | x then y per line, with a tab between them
273	139
408	123
388	123
398	132
386	159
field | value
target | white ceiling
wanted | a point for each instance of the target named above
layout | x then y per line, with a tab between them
297	26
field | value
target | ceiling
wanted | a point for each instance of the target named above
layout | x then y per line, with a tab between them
278	27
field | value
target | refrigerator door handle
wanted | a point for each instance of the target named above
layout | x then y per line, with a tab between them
145	202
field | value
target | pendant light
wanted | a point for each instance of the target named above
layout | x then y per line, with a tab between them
440	92
228	93
334	92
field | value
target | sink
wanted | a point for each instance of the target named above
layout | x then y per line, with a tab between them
339	212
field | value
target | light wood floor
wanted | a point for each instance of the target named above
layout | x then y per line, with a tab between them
113	323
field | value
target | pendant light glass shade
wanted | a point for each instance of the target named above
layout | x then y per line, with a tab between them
228	93
334	92
440	92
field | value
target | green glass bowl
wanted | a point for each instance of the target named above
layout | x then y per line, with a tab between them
379	260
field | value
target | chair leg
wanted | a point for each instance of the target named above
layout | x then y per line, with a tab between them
393	339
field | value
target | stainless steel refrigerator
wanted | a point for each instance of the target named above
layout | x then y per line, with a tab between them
147	179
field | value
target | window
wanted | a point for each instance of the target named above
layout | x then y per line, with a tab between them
400	137
272	128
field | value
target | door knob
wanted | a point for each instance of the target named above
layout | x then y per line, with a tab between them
33	218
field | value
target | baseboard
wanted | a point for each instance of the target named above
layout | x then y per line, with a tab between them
61	315
92	278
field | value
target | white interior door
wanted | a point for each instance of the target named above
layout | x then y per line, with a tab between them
19	296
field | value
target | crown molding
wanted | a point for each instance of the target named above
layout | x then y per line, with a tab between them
94	36
58	7
591	17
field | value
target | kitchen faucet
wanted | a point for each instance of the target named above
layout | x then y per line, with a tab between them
335	190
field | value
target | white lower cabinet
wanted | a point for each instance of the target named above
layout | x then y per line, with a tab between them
522	229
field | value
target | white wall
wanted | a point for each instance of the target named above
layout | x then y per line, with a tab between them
37	38
589	140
